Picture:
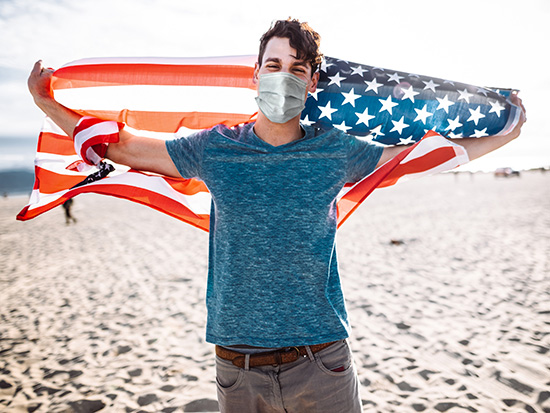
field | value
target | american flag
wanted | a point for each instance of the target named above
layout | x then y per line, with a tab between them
170	97
394	107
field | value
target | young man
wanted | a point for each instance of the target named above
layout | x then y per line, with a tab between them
276	310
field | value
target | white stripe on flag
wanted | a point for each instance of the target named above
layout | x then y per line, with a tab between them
198	203
98	129
160	98
244	60
58	164
48	126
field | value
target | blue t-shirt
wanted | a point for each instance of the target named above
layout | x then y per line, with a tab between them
273	275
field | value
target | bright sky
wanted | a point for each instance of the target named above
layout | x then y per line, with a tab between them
495	43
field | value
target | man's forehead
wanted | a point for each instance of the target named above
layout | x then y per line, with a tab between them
280	48
278	59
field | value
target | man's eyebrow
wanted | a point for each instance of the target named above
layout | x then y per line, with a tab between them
299	61
277	60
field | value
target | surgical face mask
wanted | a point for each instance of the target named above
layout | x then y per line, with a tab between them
281	96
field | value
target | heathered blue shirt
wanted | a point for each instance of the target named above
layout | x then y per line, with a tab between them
273	275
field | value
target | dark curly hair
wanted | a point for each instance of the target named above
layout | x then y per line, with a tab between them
301	36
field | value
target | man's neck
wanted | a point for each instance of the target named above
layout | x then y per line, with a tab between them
277	134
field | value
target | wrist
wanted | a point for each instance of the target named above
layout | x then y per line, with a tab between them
43	101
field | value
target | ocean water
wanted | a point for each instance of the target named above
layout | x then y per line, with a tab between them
17	165
17	153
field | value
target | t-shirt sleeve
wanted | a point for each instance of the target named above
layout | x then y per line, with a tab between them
187	153
362	158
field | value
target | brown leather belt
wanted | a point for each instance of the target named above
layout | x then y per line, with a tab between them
286	355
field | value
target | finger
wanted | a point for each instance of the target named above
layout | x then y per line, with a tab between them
516	100
37	68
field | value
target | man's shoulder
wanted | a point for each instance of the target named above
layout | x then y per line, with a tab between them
219	131
236	133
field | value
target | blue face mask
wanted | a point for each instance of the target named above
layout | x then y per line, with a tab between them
281	96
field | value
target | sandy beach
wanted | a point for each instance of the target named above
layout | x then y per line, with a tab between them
447	281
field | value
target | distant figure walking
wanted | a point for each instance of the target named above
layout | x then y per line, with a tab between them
67	207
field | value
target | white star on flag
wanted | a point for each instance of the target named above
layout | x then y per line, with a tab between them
475	115
430	85
306	121
387	104
409	94
482	91
368	138
496	107
364	117
406	141
373	85
350	97
325	65
395	77
453	124
480	133
465	95
358	71
377	131
444	104
343	127
314	94
399	125
422	114
327	111
336	79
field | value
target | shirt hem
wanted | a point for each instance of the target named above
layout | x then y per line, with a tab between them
285	342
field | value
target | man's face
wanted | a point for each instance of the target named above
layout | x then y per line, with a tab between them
279	56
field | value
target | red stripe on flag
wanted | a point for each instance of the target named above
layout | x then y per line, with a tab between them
154	200
423	163
152	74
184	186
51	182
169	121
149	198
181	185
57	144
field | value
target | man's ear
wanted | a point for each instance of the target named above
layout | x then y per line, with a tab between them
314	82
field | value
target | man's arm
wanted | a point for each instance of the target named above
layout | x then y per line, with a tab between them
137	152
475	147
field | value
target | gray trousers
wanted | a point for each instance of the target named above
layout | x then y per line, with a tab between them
324	382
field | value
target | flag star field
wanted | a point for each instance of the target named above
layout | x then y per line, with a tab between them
393	107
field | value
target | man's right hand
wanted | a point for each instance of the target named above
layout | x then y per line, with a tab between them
39	83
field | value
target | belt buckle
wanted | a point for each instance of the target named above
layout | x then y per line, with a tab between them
279	359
